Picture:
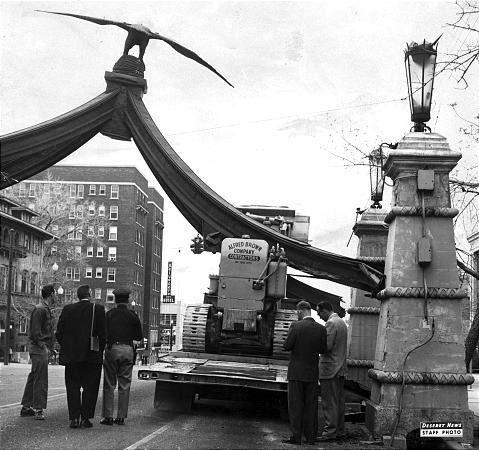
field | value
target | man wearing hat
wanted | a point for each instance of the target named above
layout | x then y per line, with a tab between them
122	328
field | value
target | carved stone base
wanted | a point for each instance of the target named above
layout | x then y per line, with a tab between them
381	420
130	65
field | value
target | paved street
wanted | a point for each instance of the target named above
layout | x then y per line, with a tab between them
210	425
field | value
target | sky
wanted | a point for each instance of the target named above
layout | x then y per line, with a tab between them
309	77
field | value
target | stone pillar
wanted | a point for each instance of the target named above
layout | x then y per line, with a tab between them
419	370
364	312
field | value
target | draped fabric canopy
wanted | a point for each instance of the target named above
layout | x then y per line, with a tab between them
120	113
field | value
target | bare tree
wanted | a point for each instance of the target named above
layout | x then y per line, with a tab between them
77	224
461	59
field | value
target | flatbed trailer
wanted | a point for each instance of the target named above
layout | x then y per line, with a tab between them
182	377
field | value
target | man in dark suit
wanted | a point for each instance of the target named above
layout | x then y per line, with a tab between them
306	339
82	365
122	328
332	371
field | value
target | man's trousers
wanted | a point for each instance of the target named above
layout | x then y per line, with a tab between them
36	389
302	409
117	368
85	376
332	401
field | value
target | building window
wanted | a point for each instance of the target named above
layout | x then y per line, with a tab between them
115	191
166	319
79	211
78	234
23	288
101	231
97	293
113	212
99	252
3	277
71	232
92	189
76	273
111	274
33	283
69	273
36	246
113	234
98	272
22	326
78	250
88	272
102	189
89	252
72	212
91	231
110	298
31	190
22	191
73	190
26	241
101	210
111	253
91	209
80	191
68	295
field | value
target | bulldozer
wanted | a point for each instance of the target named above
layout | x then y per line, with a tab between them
241	313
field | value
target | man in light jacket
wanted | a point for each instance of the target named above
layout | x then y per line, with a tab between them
41	341
332	371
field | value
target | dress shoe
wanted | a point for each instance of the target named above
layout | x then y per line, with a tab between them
107	421
74	423
119	421
27	411
85	423
39	414
326	438
291	441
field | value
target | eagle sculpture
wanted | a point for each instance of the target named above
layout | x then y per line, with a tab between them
140	35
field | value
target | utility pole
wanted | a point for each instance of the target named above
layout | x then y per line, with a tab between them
6	351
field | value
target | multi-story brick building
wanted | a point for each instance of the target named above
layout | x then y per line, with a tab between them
126	250
21	242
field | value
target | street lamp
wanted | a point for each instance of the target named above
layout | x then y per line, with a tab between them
420	62
376	176
376	173
60	290
55	267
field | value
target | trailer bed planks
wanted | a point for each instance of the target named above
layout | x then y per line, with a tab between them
179	376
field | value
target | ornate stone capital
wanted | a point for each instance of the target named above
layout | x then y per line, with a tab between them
421	151
421	377
418	292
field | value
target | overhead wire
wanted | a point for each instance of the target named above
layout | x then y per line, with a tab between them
290	116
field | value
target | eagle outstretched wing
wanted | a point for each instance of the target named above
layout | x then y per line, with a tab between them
188	53
126	26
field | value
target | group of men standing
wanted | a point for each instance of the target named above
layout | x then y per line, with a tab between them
318	353
89	339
